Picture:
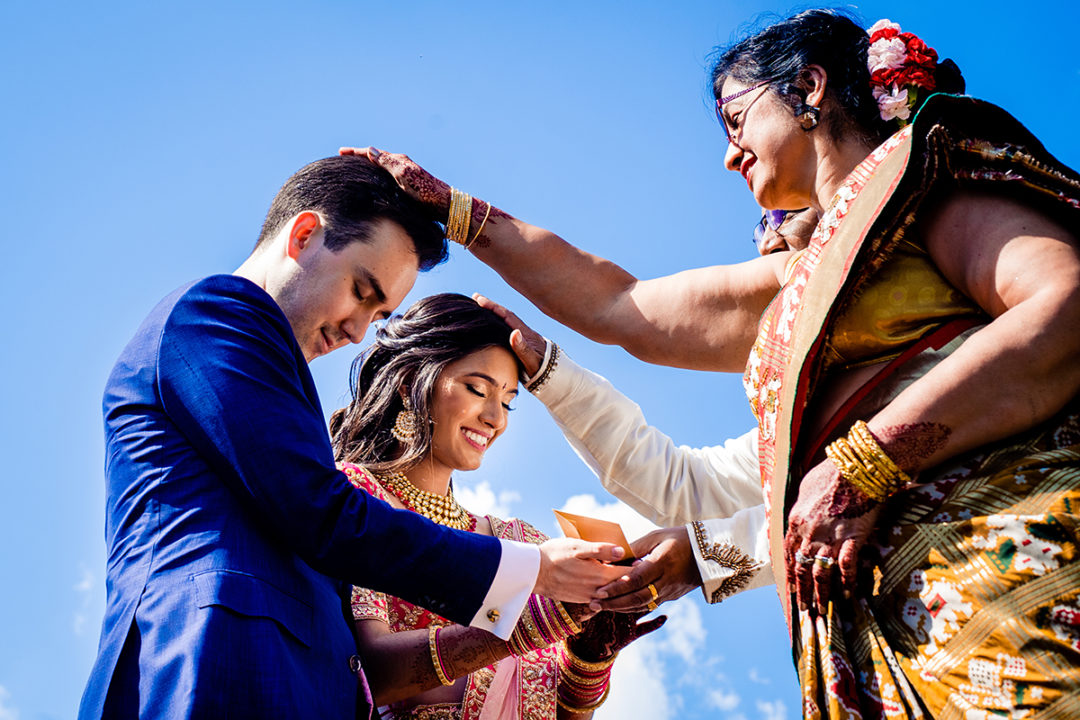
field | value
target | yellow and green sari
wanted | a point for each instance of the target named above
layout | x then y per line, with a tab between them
970	605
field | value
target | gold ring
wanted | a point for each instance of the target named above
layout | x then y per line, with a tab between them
652	606
652	589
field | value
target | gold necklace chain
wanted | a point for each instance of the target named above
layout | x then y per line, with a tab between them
443	509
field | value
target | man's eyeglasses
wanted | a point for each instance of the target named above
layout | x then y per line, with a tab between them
770	220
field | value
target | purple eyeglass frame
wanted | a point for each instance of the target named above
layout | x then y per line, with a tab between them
728	98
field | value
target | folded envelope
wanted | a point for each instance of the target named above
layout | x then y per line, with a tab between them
594	530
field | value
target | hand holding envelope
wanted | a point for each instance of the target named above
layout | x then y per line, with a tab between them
595	530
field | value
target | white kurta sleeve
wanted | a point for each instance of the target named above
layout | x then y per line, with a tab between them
715	491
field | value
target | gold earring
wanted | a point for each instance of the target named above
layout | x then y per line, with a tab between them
405	424
808	117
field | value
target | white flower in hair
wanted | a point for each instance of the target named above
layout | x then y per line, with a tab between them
893	104
881	25
887	54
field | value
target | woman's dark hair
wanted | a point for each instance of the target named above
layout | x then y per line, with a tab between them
838	43
408	354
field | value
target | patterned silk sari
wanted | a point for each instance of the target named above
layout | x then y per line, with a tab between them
969	605
525	686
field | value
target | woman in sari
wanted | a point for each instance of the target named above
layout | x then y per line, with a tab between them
430	397
915	378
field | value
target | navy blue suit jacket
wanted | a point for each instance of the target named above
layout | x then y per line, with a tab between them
231	537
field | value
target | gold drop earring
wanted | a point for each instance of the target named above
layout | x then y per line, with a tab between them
404	429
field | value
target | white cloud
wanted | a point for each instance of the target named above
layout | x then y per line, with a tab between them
7	712
684	632
482	500
726	701
638	687
757	677
84	588
633	524
775	710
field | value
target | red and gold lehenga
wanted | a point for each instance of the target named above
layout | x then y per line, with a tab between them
970	607
528	681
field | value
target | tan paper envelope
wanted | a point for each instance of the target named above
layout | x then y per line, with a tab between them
593	530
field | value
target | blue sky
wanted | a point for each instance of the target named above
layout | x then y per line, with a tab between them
141	144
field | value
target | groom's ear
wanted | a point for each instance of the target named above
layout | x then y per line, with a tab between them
302	229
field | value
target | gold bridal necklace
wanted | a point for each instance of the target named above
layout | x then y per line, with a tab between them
443	509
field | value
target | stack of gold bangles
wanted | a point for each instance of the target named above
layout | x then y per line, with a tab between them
460	218
863	463
583	686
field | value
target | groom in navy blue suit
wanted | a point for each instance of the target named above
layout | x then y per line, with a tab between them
232	540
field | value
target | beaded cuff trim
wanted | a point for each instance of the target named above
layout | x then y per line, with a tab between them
726	556
545	372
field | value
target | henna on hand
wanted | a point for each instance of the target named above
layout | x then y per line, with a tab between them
609	632
847	501
908	445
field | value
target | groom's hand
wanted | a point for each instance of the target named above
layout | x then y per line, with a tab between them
667	564
572	570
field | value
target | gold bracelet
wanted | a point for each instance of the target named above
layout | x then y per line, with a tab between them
433	646
533	632
583	708
460	216
863	440
861	461
574	627
481	228
586	665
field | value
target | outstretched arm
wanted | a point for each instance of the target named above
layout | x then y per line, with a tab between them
669	484
702	319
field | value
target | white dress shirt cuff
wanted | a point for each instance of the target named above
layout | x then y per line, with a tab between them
510	590
732	554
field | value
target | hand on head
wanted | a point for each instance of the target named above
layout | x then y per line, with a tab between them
528	344
412	178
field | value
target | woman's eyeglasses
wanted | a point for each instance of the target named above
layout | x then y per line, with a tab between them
720	102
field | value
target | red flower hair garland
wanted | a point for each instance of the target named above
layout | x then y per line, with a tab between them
900	65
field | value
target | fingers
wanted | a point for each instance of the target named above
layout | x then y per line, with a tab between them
645	627
637	591
804	579
529	357
848	561
602	551
822	574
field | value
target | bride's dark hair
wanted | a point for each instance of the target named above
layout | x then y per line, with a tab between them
407	356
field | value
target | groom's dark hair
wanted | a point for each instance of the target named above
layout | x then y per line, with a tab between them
352	194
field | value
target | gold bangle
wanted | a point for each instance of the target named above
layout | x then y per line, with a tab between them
533	632
460	216
481	228
864	440
586	665
862	462
574	627
433	647
583	708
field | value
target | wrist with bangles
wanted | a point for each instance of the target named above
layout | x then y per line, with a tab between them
436	655
583	685
861	461
543	623
459	218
